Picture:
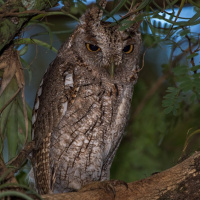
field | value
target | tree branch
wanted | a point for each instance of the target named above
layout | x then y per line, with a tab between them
10	26
178	182
7	172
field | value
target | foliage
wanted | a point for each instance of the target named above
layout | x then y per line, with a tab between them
11	124
177	34
187	90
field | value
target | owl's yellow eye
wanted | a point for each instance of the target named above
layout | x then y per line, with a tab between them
92	47
128	49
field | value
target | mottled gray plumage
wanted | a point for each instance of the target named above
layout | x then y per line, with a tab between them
80	110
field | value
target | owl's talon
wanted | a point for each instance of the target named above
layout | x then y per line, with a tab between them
107	186
110	188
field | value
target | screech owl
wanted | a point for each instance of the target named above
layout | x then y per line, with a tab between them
82	104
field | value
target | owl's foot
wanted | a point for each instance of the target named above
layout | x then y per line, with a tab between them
107	186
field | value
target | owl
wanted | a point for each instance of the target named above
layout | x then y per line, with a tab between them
82	104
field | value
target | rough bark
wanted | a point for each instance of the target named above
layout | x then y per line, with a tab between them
11	25
179	182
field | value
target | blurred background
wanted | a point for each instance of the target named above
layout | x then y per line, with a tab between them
164	111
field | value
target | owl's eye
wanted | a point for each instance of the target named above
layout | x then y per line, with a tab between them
128	49
92	48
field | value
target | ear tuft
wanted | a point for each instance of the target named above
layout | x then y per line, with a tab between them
94	14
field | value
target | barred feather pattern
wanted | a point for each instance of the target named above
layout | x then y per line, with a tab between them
81	111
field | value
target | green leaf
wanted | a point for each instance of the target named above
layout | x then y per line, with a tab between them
184	32
195	68
115	10
21	123
11	132
168	110
35	41
194	3
143	4
6	95
186	85
54	13
22	177
170	100
125	24
192	98
42	24
192	55
194	18
180	70
12	121
23	50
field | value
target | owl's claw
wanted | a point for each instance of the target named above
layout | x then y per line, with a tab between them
110	185
107	186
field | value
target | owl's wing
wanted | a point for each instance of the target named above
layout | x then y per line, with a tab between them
56	91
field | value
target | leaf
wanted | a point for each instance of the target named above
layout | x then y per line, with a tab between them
11	132
195	68
27	66
168	110
8	116
184	32
186	85
194	18
23	50
144	4
125	24
180	70
115	10
13	119
170	101
22	177
54	13
197	84
21	122
8	64
42	24
35	41
192	55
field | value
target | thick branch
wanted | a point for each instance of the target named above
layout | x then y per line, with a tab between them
179	182
10	26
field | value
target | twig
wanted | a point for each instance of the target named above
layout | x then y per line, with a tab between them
10	14
7	172
130	13
22	156
190	49
179	11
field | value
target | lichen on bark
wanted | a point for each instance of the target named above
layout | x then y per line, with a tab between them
11	25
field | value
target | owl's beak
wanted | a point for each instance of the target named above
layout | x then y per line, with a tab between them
111	68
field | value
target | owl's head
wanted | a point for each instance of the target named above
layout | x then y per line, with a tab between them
109	52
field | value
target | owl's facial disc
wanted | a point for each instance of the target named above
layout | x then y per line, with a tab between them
106	50
111	66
